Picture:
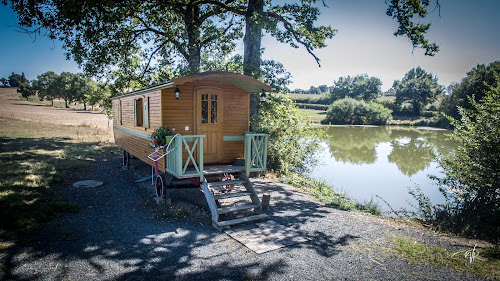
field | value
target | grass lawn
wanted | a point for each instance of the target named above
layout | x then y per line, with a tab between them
315	116
35	161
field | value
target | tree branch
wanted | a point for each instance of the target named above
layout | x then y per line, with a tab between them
289	27
209	39
151	57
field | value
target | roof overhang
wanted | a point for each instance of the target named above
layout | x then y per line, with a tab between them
146	90
241	81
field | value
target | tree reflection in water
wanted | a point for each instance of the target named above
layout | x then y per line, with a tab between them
412	149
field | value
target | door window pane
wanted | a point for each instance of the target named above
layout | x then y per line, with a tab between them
213	112
204	109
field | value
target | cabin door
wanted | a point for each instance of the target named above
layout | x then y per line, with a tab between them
209	122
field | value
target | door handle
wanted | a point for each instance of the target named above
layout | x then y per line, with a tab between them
199	128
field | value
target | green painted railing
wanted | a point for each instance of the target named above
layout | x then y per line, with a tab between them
255	152
177	166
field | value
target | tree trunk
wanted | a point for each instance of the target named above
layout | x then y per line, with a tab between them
252	43
191	18
252	39
84	106
66	103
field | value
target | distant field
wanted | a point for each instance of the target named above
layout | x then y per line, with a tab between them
302	96
315	116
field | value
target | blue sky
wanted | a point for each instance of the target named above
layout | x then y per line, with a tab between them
466	31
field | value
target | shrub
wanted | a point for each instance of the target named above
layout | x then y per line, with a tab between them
314	99
391	104
354	112
292	139
472	174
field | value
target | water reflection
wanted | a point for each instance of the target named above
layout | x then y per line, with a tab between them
412	149
382	161
355	145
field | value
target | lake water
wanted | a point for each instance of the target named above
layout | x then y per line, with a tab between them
367	161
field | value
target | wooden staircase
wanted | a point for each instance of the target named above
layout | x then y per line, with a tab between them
242	197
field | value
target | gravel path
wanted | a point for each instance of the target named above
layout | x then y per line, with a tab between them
116	236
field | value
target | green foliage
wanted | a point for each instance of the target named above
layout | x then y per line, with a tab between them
418	88
472	175
159	136
354	112
480	261
328	195
360	87
272	72
477	83
41	84
471	181
15	80
26	90
323	99
292	139
408	11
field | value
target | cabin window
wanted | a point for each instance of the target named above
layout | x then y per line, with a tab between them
145	113
141	112
209	108
119	112
138	112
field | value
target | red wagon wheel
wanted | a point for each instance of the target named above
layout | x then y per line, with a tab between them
126	158
159	186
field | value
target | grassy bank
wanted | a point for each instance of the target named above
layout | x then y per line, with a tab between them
35	161
484	262
328	195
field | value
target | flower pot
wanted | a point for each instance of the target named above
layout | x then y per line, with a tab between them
169	138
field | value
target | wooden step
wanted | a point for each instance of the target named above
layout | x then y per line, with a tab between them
241	220
222	169
221	183
232	195
236	208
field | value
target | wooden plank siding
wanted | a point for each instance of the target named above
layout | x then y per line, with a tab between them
177	114
137	146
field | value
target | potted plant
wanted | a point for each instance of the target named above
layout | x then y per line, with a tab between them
161	137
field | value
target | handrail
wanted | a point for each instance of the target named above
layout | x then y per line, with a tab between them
255	152
177	166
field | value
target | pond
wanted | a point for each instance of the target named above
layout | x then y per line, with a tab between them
367	161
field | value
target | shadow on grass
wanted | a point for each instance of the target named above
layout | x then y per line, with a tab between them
30	171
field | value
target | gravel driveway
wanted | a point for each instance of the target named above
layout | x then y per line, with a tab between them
116	236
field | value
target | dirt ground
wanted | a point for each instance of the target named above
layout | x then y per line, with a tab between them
121	234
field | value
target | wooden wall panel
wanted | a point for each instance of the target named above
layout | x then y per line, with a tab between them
138	147
166	110
128	112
